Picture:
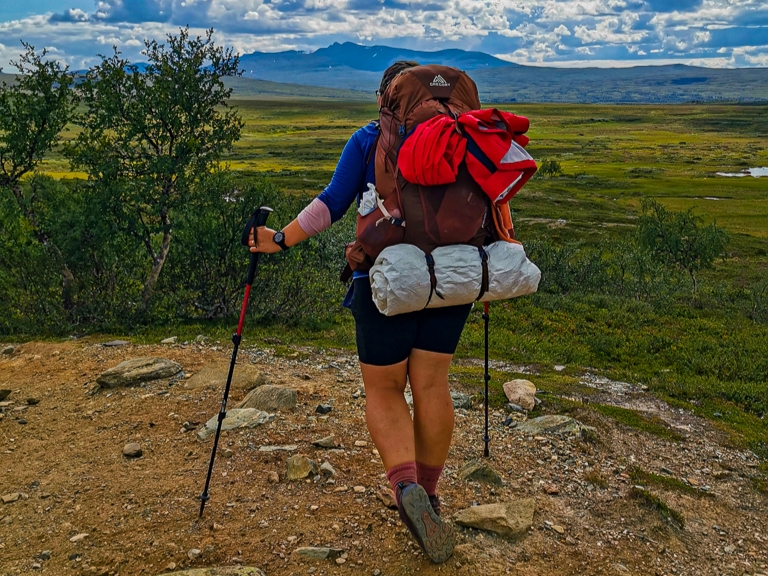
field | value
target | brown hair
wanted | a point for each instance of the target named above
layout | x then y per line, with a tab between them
392	71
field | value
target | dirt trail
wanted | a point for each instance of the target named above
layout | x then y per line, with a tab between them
140	515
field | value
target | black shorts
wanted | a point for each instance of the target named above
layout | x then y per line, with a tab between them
385	340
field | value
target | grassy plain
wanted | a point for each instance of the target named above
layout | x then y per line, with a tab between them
707	355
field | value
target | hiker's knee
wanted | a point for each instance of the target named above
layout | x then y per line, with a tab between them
428	371
384	378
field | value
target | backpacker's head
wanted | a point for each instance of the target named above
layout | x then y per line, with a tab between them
391	72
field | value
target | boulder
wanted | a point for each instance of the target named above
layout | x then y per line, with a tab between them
132	450
8	350
270	397
235	418
137	370
509	520
522	393
475	471
551	424
461	400
245	377
220	571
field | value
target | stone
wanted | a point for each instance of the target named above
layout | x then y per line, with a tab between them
327	470
559	367
8	350
193	553
10	498
273	477
22	421
244	378
551	489
113	343
45	555
323	408
510	520
299	467
284	448
461	400
132	450
327	442
235	418
227	452
171	340
521	392
4	394
475	471
79	537
386	497
317	553
359	489
137	370
551	424
516	408
270	398
33	401
361	443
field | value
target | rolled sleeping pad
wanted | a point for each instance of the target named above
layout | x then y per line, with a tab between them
401	279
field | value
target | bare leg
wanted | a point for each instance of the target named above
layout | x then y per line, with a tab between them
432	406
386	412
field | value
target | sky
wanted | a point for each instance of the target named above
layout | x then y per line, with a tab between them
567	33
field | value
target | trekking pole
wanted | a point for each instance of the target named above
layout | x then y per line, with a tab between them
487	377
258	219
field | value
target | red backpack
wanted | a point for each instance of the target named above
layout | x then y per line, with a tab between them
426	216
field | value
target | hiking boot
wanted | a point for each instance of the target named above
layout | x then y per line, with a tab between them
434	501
435	537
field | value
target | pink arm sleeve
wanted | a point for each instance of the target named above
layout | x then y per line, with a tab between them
314	218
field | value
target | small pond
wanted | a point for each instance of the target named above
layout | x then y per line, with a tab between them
754	172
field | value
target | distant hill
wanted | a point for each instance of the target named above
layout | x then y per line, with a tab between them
353	67
248	88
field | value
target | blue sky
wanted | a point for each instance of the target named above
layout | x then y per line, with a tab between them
715	33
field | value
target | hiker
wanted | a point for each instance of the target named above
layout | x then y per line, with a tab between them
416	347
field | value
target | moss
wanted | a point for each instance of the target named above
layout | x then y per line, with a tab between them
655	503
638	421
665	482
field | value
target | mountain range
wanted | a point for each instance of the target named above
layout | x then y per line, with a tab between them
350	66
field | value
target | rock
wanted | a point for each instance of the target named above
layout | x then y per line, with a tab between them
327	470
559	367
285	448
227	452
132	450
113	343
323	409
33	401
475	471
327	442
9	498
193	553
137	370
312	553
386	497
4	394
22	421
552	424
361	443
551	489
171	340
8	350
359	489
79	537
516	408
273	477
461	400
509	520
245	377
299	466
558	529
521	392
270	398
45	555
36	566
235	418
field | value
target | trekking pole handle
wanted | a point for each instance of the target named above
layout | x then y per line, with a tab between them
257	220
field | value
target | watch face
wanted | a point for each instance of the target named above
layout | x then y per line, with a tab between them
278	237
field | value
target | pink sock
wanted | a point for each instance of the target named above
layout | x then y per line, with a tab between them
428	477
405	473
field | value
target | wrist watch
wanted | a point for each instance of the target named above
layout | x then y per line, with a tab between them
279	239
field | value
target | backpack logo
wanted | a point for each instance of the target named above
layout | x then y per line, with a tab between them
439	81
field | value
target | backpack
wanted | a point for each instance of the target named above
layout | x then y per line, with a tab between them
425	216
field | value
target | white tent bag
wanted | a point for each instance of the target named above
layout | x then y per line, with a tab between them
405	279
